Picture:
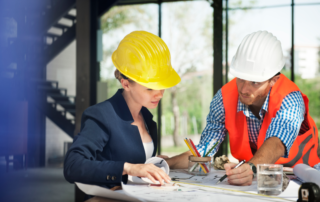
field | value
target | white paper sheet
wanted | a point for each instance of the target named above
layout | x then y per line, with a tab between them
159	162
210	180
103	192
181	174
307	174
186	192
195	188
291	191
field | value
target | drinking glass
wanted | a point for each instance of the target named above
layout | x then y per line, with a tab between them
269	179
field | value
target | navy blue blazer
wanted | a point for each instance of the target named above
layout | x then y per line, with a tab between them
106	141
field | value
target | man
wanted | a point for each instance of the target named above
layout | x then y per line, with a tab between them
265	114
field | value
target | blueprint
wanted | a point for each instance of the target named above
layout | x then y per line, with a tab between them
210	180
186	187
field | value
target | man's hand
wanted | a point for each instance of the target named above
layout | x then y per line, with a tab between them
146	170
242	175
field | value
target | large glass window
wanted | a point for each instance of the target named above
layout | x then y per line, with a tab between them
307	55
187	30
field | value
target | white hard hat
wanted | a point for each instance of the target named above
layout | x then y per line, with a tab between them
258	58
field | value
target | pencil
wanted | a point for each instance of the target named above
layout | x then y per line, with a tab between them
194	147
193	153
206	154
198	154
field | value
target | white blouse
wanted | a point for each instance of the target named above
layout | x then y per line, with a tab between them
148	149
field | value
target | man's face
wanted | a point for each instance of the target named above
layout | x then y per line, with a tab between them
253	93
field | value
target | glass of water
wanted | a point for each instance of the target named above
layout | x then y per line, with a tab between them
270	179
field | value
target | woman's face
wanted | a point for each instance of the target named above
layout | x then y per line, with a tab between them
144	96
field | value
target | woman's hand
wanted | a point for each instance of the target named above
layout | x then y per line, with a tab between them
163	156
146	170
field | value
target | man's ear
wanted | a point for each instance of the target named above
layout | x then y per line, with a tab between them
125	84
274	80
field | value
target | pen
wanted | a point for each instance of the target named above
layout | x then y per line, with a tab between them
224	177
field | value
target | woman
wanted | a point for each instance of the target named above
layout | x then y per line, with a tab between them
118	135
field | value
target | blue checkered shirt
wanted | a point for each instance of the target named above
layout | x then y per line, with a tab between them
285	126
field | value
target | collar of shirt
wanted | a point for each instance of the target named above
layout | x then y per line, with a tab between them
247	112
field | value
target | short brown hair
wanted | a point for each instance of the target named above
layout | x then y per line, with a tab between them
120	76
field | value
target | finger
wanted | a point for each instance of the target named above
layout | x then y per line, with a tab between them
240	175
164	175
168	178
241	169
157	176
244	178
229	166
149	176
156	171
241	181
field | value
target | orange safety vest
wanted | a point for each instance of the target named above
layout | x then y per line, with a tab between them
305	147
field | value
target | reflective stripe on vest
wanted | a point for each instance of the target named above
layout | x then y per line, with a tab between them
304	148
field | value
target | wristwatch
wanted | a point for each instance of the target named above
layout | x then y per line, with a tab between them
253	168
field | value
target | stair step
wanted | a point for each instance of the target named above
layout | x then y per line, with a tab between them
70	17
72	111
47	83
52	35
52	90
61	97
61	26
67	105
59	118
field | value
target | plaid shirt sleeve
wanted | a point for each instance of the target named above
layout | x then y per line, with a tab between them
215	129
286	125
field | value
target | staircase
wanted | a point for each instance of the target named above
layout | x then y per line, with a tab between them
60	30
58	106
51	28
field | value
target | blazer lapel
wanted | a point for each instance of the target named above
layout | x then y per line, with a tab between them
122	110
152	127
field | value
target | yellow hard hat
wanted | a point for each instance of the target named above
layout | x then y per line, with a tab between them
145	58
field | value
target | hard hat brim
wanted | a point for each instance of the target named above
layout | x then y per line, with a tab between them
172	80
255	78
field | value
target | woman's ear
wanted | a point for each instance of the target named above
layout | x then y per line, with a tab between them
125	84
274	80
